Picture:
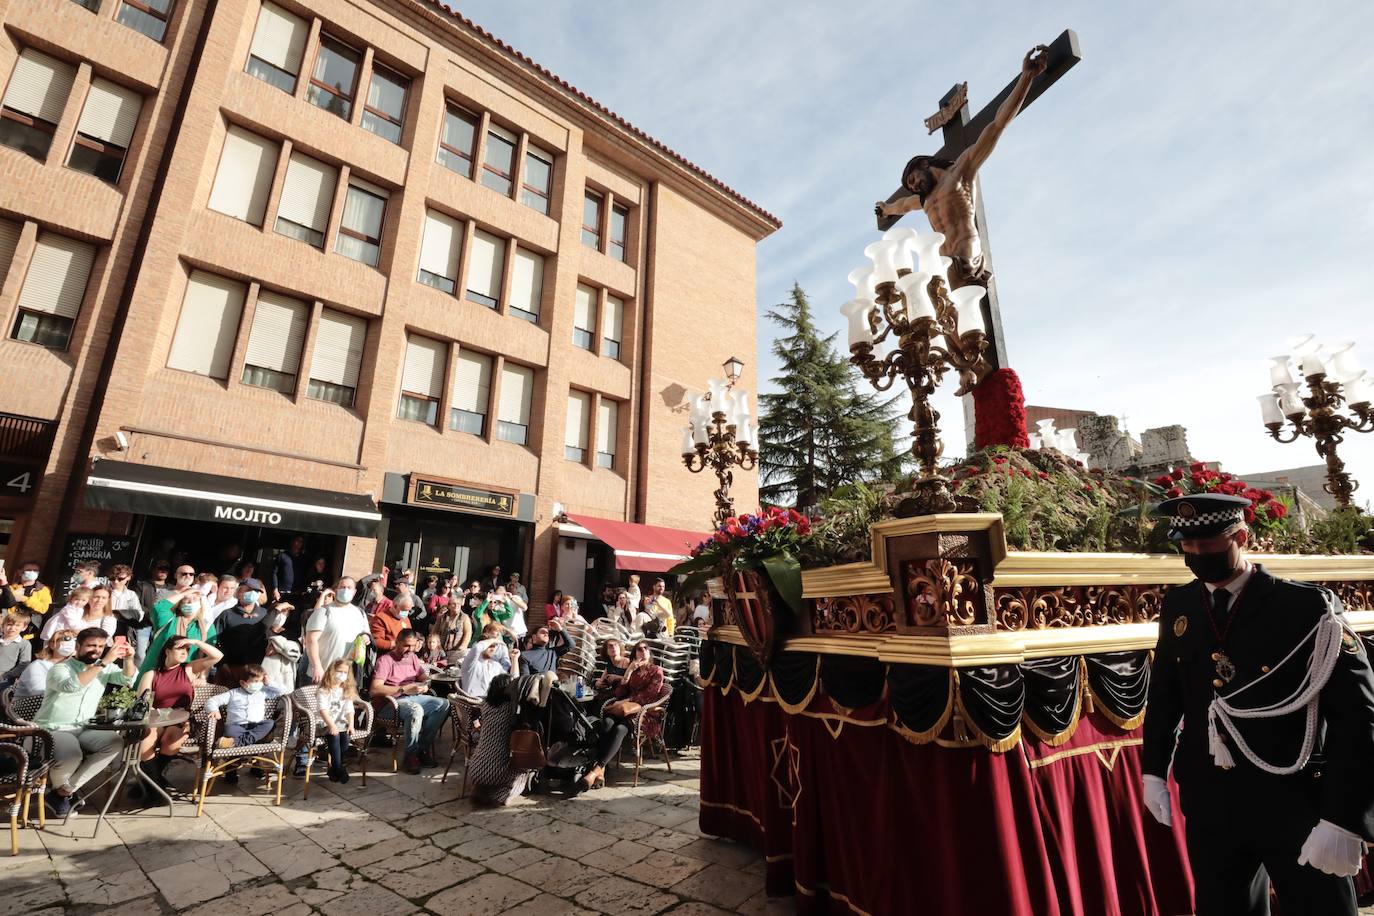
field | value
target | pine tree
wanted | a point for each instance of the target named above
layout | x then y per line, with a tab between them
819	430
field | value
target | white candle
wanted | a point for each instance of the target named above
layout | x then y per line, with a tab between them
1280	372
856	310
687	444
1360	391
700	435
1312	365
1269	407
914	289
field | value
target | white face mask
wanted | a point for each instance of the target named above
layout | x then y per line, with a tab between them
278	621
345	595
253	686
206	588
340	677
29	575
66	648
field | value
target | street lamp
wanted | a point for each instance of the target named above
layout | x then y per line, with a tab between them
720	435
936	329
1333	378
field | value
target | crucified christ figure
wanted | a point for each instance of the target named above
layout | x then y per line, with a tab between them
945	190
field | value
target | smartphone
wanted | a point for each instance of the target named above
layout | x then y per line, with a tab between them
122	642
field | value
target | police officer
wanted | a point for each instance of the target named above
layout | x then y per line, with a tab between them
1275	760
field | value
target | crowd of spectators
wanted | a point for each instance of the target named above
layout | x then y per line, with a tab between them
407	648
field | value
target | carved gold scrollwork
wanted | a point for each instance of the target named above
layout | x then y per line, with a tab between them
854	614
1076	606
941	593
1356	596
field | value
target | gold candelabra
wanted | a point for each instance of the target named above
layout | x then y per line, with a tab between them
1318	415
720	436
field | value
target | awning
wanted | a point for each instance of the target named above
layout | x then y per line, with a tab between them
122	486
643	548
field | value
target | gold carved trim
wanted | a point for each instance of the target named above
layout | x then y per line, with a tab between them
1036	568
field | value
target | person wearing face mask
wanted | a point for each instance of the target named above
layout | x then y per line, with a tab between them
61	645
75	687
244	710
388	624
182	613
241	635
1276	699
26	589
334	628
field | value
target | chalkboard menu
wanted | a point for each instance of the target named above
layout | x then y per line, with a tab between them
105	549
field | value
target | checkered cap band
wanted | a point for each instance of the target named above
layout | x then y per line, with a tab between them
1207	518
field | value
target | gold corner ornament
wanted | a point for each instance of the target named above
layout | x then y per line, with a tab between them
1180	625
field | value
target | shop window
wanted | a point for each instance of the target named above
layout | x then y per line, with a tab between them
337	357
278	45
335	79
443	239
306	198
33	102
243	180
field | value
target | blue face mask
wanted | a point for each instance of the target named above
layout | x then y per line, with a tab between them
404	614
250	597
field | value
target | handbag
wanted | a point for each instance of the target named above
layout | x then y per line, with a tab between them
526	750
623	709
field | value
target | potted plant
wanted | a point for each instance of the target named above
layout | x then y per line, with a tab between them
114	704
758	556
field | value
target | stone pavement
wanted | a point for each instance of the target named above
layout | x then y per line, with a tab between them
404	844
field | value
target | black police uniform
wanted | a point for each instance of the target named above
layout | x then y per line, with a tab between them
1242	823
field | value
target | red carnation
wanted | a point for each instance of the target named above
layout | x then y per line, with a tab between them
1044	476
1249	514
804	526
1174	492
1197	466
1176	473
1163	480
1279	509
794	516
721	537
999	459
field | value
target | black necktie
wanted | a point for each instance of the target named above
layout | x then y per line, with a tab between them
1221	603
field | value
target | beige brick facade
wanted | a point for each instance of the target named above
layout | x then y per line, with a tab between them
687	280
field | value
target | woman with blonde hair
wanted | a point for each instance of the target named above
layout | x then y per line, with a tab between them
59	647
336	694
74	615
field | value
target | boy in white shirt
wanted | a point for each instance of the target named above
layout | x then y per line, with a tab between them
244	709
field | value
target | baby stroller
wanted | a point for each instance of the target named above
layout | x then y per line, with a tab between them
569	740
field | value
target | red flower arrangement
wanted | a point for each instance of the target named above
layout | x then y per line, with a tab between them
767	541
1199	478
999	411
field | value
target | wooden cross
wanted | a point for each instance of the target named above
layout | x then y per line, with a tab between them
959	132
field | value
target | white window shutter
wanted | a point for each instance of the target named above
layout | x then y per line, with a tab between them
204	340
472	389
517	383
527	281
579	412
338	352
9	240
279	324
39	86
280	38
486	263
442	241
584	308
308	192
56	281
613	319
607	413
426	362
244	178
110	113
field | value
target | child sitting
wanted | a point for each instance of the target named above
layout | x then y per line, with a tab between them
283	655
434	654
245	720
336	695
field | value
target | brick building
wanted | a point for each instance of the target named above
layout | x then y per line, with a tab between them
353	269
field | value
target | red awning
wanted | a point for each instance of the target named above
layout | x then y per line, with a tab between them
644	548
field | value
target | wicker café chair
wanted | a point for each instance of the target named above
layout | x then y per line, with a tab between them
27	752
646	728
312	733
270	754
19	710
463	716
193	748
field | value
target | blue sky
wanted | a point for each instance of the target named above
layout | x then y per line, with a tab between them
1194	193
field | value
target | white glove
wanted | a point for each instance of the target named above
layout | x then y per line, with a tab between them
1333	850
1158	801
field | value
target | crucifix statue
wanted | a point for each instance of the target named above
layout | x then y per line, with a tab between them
945	185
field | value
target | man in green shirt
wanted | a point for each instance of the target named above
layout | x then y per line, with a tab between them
75	687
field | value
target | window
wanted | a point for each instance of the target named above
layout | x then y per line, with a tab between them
498	162
607	415
204	340
275	341
385	110
471	393
575	433
33	102
513	411
591	220
584	322
146	16
244	179
486	262
620	218
278	43
338	354
335	78
422	380
457	140
9	240
439	248
360	229
53	289
306	197
92	5
527	285
104	130
612	324
534	191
